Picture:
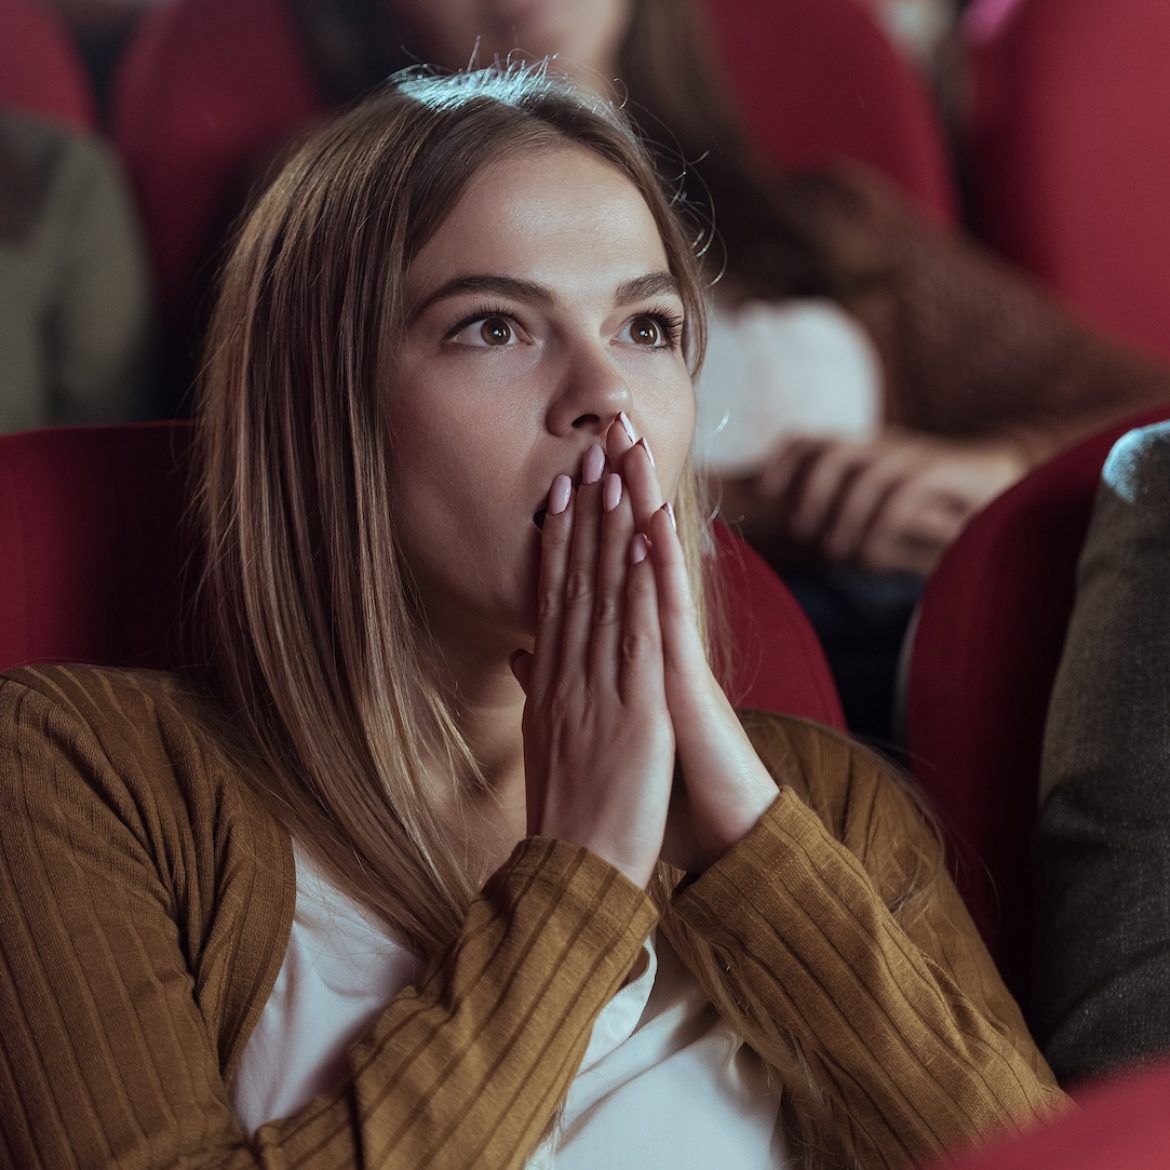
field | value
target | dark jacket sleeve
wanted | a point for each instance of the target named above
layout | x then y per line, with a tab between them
1103	965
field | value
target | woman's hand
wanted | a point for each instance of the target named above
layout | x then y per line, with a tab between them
890	504
598	745
722	788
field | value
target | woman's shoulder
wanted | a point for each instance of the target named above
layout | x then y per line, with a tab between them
133	738
145	702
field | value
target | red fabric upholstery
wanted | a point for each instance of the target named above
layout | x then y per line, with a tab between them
93	545
99	567
1069	126
819	81
986	649
1123	1125
206	87
40	70
776	661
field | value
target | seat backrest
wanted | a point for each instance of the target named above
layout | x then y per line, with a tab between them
94	545
986	648
204	89
40	70
819	82
1121	1124
101	565
1068	129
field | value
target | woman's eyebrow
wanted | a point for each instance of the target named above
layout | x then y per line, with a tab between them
653	284
484	283
639	288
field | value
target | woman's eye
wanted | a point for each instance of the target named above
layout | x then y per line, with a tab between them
645	331
648	331
495	331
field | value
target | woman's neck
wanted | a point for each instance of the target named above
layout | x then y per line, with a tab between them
488	706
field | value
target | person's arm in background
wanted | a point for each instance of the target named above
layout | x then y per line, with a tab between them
1102	990
99	358
986	376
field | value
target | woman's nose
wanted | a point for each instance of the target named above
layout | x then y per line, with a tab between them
593	389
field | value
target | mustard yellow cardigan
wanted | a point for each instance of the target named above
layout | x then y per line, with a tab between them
146	897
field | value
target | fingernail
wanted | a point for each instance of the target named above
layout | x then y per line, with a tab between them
638	549
594	464
611	492
627	426
642	442
558	496
668	508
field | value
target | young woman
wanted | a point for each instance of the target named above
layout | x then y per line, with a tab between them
456	854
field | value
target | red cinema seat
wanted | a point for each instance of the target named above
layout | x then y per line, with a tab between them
1120	1125
819	82
985	652
101	565
1068	131
205	89
40	71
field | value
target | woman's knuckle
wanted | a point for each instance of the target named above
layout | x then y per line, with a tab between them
578	586
548	605
607	610
638	645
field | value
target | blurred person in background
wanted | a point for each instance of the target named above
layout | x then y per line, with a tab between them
1101	999
918	28
75	311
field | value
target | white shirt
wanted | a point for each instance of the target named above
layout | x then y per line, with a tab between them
664	1083
778	370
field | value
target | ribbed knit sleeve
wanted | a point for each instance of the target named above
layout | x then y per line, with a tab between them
129	873
908	1028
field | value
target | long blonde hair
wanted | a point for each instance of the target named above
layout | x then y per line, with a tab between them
320	656
318	647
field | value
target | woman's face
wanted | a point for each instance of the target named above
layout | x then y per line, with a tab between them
587	34
542	307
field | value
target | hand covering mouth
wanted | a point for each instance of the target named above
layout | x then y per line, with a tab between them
539	515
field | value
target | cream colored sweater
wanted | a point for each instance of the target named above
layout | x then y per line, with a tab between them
146	895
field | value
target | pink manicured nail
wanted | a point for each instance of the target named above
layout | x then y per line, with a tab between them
594	464
558	496
611	492
627	426
644	444
638	549
668	508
